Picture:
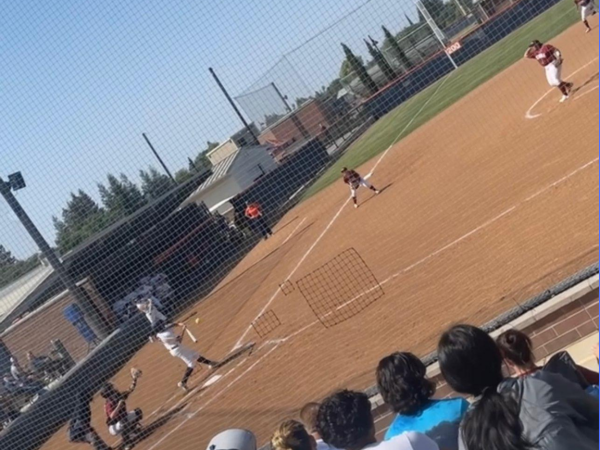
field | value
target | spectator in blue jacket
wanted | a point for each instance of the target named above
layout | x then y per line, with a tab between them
402	382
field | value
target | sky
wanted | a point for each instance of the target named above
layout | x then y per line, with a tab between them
82	80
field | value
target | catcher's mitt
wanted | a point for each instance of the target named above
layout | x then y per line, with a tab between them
135	373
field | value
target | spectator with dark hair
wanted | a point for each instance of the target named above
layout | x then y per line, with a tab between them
517	350
345	421
291	435
542	411
402	382
308	417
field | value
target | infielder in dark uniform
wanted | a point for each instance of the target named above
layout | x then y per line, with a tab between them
354	180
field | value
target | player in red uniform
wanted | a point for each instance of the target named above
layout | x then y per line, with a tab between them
354	180
587	8
551	60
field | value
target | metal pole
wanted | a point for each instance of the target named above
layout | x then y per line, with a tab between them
436	30
235	108
461	7
164	166
283	99
297	122
80	298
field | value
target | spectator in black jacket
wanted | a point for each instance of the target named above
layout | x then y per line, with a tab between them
80	428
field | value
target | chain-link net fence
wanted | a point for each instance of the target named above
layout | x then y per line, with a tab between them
179	256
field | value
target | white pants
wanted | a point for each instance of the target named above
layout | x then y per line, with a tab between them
587	10
361	182
188	356
553	73
118	427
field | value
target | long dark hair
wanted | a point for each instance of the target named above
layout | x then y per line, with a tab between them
471	363
402	382
516	347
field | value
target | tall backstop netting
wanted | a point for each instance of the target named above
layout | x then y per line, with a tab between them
182	254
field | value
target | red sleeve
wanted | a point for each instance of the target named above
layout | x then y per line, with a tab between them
590	376
108	409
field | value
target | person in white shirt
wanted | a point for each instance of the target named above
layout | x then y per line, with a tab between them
345	421
165	333
308	417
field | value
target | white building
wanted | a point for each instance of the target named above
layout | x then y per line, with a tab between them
234	170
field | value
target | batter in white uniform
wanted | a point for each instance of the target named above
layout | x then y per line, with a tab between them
166	333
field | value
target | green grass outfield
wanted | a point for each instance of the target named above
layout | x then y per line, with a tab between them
456	85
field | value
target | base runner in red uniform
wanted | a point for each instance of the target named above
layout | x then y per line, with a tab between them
354	180
551	60
587	9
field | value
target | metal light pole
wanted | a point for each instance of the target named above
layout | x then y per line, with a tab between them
233	105
86	305
164	166
281	97
436	30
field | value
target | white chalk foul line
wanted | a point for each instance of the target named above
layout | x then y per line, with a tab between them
294	231
276	343
530	115
581	94
190	416
240	341
451	244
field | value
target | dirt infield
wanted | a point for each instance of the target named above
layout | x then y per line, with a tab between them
482	207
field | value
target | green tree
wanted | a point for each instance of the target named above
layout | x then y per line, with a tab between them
380	60
201	159
12	268
271	119
183	175
6	257
359	70
154	183
79	208
346	69
334	87
301	101
120	197
391	43
80	219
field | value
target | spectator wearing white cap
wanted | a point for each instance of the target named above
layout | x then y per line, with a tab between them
233	439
